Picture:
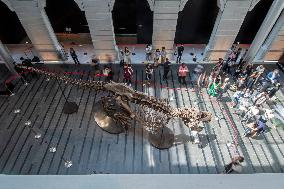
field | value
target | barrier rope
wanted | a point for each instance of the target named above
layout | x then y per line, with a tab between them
233	126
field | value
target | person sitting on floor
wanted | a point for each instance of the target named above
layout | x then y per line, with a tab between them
235	165
255	128
237	96
260	98
252	111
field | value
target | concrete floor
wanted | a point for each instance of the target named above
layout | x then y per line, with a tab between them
85	52
91	150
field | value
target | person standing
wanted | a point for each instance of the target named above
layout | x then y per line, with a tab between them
109	76
96	66
215	87
157	57
242	62
250	81
149	72
148	51
108	73
28	63
237	97
74	56
274	90
182	72
121	58
128	71
163	55
230	61
180	50
127	55
167	66
219	65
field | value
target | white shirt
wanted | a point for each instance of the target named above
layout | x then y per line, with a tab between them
148	49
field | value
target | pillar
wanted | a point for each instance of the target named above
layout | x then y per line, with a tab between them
267	34
273	47
227	25
164	24
38	28
99	18
7	58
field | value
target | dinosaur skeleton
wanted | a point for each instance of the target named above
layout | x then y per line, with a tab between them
152	113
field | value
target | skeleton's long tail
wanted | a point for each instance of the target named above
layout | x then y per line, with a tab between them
95	85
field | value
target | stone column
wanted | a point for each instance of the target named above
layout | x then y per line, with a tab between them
273	47
164	24
99	18
7	58
228	23
268	31
38	28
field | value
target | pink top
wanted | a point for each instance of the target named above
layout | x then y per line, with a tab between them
182	71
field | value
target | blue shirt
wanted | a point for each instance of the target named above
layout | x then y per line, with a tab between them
272	76
260	125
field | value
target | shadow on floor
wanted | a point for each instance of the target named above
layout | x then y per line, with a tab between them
182	139
206	139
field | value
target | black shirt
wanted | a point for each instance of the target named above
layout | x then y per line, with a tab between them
73	54
167	65
28	63
180	50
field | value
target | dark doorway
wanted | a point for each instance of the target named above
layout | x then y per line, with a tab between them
66	13
11	30
133	18
196	21
144	22
252	22
124	17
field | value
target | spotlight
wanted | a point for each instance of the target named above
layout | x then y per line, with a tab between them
17	111
37	136
28	122
52	149
68	164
